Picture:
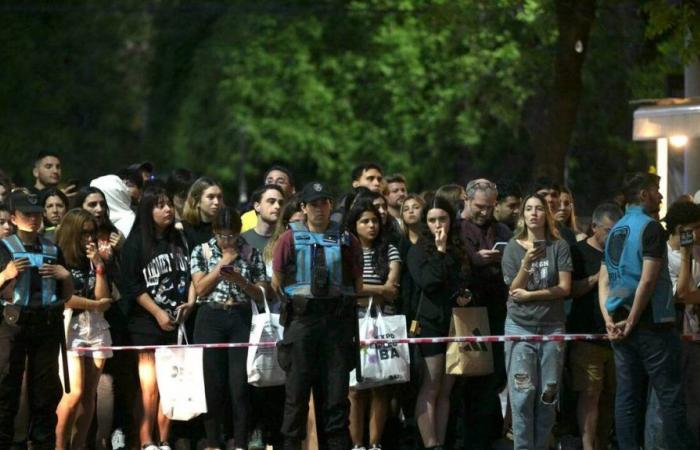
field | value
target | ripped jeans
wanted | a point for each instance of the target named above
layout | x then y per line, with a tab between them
534	378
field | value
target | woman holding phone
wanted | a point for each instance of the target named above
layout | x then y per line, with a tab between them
227	274
537	268
87	327
440	271
156	273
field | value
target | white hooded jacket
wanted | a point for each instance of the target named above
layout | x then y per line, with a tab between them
118	200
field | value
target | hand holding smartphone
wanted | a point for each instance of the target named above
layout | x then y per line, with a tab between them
499	246
687	238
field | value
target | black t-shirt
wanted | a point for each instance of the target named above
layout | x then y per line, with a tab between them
197	234
585	315
566	234
35	281
165	278
654	241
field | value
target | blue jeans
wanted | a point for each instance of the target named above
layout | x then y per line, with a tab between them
534	377
657	354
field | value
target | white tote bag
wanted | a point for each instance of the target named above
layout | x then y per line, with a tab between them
382	364
180	377
262	366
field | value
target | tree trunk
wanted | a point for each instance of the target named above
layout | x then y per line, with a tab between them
551	136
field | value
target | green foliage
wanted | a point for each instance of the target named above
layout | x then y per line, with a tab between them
412	85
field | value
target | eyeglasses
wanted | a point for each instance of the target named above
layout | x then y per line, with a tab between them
226	237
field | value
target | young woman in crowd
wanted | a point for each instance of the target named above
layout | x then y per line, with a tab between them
537	268
6	227
109	238
440	271
155	271
55	205
118	200
566	214
204	200
390	227
382	269
86	328
410	217
227	274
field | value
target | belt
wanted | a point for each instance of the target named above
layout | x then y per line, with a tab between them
228	305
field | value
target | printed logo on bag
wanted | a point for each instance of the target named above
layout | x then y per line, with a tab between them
386	350
475	346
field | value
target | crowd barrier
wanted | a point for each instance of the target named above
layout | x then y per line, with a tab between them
416	340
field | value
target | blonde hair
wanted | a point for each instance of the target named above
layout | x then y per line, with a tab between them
190	212
550	227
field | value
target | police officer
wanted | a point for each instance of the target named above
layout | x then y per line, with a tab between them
317	268
35	284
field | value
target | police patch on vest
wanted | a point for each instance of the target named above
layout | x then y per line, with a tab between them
616	242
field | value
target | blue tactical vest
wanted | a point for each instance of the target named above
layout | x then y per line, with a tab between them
623	258
305	244
22	292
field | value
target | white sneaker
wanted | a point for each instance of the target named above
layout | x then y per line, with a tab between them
164	446
150	447
359	447
118	439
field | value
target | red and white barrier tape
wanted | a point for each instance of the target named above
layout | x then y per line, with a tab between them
364	342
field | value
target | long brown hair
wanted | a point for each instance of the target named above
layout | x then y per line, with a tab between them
190	212
550	227
69	235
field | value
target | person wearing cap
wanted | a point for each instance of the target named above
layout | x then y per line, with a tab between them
35	284
316	351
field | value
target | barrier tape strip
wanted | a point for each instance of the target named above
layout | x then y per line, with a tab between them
389	341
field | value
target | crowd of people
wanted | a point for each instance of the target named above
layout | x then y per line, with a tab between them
134	258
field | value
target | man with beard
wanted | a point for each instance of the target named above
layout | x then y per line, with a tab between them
508	206
636	301
396	187
266	418
267	204
481	232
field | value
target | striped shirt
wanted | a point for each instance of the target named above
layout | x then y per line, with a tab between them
369	272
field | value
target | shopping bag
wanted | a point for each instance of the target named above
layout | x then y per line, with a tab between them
262	366
180	378
382	364
469	358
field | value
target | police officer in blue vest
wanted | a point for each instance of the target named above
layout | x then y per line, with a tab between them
317	268
34	286
637	303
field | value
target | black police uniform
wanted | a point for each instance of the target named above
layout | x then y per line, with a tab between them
317	350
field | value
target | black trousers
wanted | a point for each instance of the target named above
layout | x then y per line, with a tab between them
225	367
317	352
34	339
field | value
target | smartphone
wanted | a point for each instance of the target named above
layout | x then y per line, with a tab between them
540	244
499	246
687	238
228	269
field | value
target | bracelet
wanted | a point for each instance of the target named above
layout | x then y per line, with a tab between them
100	270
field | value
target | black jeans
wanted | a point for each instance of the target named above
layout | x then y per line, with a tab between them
224	367
35	339
317	352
